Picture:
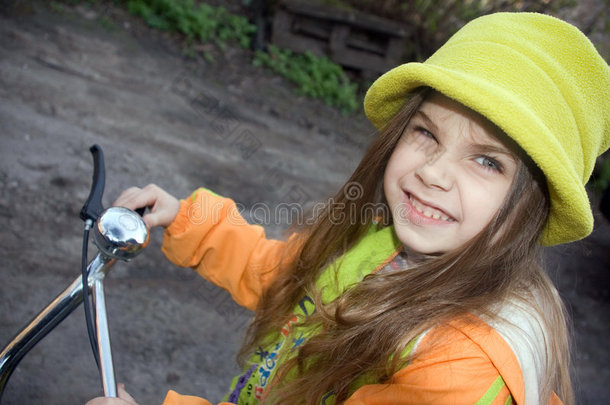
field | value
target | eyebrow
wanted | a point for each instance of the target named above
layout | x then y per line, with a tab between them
478	147
487	148
427	120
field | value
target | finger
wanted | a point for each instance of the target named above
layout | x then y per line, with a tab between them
164	210
125	196
123	394
99	401
153	219
135	198
159	215
106	401
110	401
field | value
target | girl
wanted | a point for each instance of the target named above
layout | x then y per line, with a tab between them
435	293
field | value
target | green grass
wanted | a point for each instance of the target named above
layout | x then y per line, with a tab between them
200	22
56	6
315	76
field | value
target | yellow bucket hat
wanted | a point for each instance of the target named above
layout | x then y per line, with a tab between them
537	78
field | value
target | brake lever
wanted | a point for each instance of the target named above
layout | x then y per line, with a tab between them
93	206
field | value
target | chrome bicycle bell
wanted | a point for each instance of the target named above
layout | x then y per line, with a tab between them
120	233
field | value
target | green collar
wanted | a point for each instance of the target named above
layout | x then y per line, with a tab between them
374	250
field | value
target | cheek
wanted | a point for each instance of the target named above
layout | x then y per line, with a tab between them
388	185
400	163
483	205
391	173
395	172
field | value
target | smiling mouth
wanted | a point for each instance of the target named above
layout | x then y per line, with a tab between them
428	211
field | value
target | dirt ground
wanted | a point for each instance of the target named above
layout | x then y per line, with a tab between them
72	78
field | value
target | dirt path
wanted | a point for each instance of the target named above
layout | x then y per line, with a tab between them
71	79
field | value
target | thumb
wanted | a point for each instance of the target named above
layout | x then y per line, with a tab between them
162	213
153	219
125	395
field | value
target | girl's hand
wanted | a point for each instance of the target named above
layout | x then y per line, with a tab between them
123	399
163	206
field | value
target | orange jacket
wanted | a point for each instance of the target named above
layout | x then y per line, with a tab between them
477	365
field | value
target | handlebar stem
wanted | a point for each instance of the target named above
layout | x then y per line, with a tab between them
62	306
103	339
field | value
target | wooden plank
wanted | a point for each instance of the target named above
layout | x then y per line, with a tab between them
345	42
360	60
338	38
369	42
352	17
308	26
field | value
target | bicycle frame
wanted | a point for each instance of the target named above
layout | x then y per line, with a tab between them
119	234
51	316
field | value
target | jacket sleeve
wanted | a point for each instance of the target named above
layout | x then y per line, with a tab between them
173	398
463	362
211	236
455	367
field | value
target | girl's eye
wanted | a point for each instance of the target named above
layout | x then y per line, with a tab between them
489	163
425	133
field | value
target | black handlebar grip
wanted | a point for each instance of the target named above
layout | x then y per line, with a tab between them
93	206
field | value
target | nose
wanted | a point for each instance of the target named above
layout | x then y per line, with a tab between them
436	172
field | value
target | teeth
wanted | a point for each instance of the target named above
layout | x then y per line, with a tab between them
428	211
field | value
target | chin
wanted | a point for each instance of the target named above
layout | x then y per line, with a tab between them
420	244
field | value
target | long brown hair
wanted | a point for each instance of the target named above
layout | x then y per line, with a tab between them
375	320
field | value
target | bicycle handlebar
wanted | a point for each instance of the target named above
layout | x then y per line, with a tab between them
119	233
93	206
51	316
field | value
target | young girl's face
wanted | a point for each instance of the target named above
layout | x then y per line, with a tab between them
447	177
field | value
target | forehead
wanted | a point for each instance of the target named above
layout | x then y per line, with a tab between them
448	114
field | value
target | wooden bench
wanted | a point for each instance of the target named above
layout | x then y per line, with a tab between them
368	44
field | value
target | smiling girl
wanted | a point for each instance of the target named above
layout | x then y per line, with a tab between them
482	156
447	177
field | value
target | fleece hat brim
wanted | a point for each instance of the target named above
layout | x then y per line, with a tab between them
537	78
